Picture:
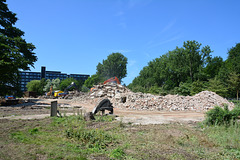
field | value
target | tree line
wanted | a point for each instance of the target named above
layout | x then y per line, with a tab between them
191	69
186	70
42	86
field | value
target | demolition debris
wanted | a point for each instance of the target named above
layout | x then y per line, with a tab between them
122	97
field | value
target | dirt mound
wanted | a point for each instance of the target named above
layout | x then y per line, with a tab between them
122	97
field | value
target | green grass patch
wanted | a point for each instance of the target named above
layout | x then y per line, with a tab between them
73	138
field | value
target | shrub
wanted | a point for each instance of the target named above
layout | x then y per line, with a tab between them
219	116
236	112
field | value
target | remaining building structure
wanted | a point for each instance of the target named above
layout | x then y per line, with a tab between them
27	76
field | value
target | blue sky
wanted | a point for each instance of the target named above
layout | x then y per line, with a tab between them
74	36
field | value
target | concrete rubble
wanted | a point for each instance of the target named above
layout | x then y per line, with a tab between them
122	97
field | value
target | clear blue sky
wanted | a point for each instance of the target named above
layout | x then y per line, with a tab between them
73	36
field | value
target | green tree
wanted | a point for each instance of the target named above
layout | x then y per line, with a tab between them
230	68
93	80
36	86
234	82
215	85
195	58
183	66
232	62
213	67
15	52
114	65
184	88
198	86
66	82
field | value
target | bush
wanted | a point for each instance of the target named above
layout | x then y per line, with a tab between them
236	112
219	116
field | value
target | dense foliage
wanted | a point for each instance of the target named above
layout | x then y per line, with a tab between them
43	86
66	82
189	70
114	66
36	86
219	116
15	52
94	79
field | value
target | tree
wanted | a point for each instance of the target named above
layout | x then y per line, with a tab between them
36	86
54	82
198	86
114	65
184	88
234	59
181	66
94	79
15	52
234	81
47	85
217	86
213	67
66	82
195	58
229	70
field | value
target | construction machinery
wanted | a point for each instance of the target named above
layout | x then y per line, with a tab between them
63	94
51	92
58	93
103	105
71	85
10	97
8	100
112	80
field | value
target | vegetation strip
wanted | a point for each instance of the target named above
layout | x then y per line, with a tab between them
73	138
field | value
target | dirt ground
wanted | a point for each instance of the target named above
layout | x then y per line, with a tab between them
40	108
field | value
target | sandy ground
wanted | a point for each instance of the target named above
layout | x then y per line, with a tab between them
39	108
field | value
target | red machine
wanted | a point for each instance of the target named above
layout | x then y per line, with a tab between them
112	80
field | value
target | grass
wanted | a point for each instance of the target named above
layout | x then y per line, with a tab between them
227	137
73	138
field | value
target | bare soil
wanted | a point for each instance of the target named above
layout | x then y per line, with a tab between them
40	108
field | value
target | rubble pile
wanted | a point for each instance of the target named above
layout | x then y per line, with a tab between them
200	102
72	94
122	97
109	90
